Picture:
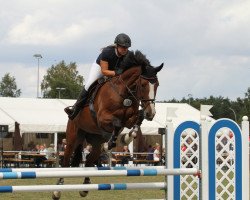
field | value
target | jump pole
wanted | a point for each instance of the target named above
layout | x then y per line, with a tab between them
77	168
96	173
82	187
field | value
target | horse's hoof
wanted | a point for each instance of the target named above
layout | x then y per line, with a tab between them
83	193
111	145
56	195
134	134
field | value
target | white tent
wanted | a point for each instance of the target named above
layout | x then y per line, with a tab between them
184	112
36	115
5	119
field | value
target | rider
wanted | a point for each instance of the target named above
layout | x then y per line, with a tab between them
107	64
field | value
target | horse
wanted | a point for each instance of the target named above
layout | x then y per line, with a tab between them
115	106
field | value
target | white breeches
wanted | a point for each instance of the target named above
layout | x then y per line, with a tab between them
94	74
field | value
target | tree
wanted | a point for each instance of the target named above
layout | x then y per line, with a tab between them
247	94
8	87
62	76
245	109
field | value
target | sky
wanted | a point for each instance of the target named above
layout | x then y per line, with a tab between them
204	45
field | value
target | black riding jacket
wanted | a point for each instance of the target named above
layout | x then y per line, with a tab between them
108	55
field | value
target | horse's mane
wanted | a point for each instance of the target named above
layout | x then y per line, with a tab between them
134	59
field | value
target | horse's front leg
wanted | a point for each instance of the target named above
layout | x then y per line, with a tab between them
112	141
129	137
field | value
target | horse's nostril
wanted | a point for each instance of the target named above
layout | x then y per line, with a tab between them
149	116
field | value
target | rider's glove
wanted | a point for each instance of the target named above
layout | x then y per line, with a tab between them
118	71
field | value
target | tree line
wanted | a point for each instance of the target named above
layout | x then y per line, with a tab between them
66	78
222	107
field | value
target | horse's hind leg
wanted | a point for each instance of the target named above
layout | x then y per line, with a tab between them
96	141
86	181
71	139
77	156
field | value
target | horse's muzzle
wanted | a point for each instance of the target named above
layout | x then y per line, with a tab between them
149	116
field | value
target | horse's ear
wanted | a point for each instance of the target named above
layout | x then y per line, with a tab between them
157	69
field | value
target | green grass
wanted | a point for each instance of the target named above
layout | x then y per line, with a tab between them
93	195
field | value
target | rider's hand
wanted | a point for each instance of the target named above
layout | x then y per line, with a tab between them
118	71
105	78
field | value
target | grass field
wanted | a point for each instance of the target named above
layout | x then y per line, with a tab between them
93	195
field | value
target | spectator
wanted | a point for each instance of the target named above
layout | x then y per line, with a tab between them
157	154
36	148
126	156
62	146
150	151
183	147
39	159
43	150
86	152
51	151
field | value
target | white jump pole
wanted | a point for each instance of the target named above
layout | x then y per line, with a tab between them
77	168
97	173
82	187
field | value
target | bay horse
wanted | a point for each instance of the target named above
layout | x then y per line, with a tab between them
116	105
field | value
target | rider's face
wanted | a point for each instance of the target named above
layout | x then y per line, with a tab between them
122	50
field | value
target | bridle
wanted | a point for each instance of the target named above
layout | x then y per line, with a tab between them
153	80
138	90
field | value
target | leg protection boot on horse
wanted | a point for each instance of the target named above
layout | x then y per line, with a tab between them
72	111
112	142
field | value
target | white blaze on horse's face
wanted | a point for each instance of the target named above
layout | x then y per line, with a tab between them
150	111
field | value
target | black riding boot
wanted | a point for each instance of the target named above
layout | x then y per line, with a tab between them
72	111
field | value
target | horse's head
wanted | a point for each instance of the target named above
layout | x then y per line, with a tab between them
143	81
147	90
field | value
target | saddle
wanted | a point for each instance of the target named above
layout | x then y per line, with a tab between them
93	89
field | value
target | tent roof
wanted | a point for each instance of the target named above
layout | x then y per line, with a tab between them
47	115
5	119
34	115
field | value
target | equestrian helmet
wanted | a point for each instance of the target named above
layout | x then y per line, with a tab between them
123	40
